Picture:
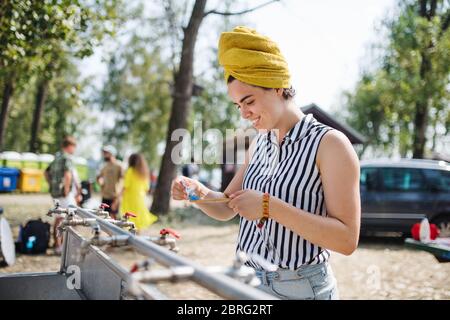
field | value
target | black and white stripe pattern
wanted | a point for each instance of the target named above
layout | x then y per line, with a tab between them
288	172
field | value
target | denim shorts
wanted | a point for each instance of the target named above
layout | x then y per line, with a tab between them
309	282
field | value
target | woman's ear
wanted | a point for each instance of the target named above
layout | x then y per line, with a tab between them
279	92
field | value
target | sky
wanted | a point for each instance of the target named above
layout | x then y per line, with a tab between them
324	42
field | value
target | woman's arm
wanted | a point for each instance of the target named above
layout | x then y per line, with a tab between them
67	182
117	199
218	211
339	170
123	185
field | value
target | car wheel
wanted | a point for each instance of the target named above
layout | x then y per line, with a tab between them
443	224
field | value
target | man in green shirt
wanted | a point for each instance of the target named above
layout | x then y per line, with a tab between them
60	175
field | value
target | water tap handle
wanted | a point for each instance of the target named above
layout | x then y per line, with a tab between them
104	206
146	264
164	232
129	214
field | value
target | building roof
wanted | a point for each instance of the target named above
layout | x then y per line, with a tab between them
320	115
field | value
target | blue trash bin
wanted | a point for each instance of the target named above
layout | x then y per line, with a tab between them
8	179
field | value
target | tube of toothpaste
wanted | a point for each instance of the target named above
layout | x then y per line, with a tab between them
190	191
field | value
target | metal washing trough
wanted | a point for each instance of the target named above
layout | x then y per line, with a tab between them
100	277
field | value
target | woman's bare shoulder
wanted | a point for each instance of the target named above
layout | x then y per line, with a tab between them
337	147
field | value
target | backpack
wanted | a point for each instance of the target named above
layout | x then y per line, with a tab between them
34	237
56	171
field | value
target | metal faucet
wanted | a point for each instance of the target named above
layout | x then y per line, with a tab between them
125	223
101	212
71	221
69	218
97	240
165	240
60	211
240	271
141	273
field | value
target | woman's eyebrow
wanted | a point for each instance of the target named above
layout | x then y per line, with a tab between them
248	96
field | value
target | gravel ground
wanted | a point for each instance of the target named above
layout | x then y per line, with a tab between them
381	267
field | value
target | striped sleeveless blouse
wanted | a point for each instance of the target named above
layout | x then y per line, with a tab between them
287	171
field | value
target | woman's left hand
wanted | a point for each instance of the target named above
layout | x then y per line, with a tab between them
247	203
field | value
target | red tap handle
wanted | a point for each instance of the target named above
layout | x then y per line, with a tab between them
134	268
130	214
138	265
104	206
171	232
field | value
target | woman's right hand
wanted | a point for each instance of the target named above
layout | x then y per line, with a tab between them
179	191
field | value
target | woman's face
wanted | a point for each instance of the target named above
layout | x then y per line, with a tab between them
263	108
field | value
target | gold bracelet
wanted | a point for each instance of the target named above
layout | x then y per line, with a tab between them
265	210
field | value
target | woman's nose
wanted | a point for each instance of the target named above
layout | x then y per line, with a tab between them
245	113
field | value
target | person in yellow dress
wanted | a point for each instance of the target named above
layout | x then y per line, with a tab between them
135	188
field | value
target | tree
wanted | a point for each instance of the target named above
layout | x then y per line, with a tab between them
99	20
41	96
137	92
23	25
65	111
34	35
183	84
433	46
404	101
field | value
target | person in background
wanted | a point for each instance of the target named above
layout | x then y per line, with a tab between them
153	181
190	170
136	186
63	187
110	179
76	186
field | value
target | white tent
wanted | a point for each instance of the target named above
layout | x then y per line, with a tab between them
46	158
10	155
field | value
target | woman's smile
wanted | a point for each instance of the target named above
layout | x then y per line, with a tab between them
256	121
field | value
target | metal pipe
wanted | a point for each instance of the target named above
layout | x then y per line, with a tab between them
174	274
220	284
149	292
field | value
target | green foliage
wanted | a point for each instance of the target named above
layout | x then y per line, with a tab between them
39	40
414	72
65	112
32	28
137	92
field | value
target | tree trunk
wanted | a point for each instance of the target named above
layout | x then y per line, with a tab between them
420	125
427	11
41	96
180	108
8	91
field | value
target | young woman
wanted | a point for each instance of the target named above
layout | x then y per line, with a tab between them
136	186
297	193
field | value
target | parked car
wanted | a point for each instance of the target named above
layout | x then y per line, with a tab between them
397	194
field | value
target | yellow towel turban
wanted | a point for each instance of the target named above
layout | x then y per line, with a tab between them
253	59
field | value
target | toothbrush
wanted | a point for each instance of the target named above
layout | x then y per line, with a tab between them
191	193
194	198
